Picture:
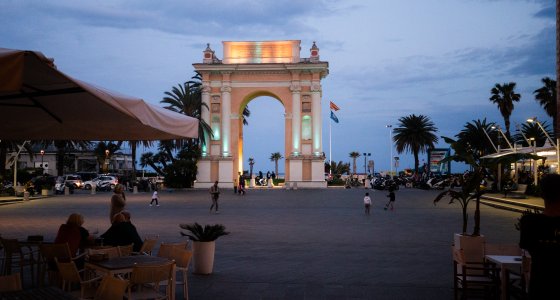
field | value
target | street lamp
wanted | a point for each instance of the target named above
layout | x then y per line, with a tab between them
106	160
365	162
391	147
396	165
504	135
555	145
42	165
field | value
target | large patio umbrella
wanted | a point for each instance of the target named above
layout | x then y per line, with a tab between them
38	102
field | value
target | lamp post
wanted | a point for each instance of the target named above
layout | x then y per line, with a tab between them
42	164
106	160
535	171
365	162
391	147
396	166
556	144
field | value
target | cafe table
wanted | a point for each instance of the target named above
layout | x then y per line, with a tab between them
509	262
125	264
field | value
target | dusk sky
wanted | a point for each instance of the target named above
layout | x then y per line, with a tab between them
387	59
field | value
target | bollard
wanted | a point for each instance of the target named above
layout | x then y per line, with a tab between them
287	185
270	183
26	196
93	188
135	190
294	186
252	182
66	191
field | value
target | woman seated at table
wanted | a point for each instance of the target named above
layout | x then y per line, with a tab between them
122	232
74	234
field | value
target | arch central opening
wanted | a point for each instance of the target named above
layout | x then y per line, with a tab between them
264	137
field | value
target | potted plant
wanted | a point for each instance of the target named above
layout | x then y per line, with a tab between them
471	189
204	244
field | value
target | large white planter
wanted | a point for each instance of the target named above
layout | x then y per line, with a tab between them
203	257
473	246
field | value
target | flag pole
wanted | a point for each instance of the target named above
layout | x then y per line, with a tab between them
330	145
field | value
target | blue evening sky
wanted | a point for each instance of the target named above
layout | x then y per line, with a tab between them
388	59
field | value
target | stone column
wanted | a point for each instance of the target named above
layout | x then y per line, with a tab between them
317	118
205	115
296	118
226	112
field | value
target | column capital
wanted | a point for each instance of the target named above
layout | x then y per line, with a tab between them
206	88
295	87
226	89
315	87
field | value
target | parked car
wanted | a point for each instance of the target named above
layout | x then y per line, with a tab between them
74	180
87	175
109	181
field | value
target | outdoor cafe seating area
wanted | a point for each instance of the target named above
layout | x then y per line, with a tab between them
32	268
501	273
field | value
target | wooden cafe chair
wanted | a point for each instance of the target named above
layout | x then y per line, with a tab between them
182	258
17	256
47	264
474	277
165	248
111	288
125	250
71	275
145	281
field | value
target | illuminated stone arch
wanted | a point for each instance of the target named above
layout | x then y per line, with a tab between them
250	70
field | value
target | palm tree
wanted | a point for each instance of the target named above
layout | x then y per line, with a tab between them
474	134
339	168
354	155
63	146
503	95
532	130
103	151
415	134
546	96
275	157
186	99
470	183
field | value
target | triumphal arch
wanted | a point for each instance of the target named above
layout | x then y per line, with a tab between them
249	70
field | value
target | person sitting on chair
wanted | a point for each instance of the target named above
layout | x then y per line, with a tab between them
540	235
122	232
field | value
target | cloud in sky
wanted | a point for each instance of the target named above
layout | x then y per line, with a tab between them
387	59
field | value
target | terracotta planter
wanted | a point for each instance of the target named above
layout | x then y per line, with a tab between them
203	257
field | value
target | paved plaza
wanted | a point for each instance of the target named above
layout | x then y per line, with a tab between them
293	244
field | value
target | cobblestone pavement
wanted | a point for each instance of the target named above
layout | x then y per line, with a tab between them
293	244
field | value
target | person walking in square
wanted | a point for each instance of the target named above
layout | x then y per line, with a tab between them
154	198
367	203
391	202
241	184
215	194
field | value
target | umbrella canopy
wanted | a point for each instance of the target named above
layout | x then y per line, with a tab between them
38	102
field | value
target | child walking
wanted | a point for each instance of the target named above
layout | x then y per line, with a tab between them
391	199
367	203
154	198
